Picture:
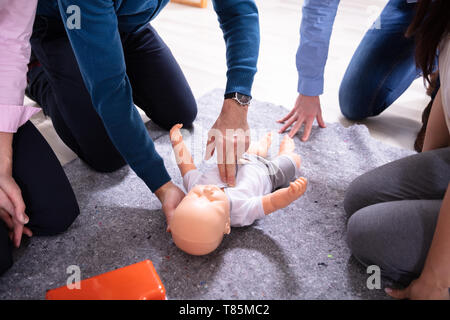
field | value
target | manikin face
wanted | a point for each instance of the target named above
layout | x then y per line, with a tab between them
201	220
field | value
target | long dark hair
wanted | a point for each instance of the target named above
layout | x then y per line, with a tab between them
430	24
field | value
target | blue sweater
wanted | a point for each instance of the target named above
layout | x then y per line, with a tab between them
98	50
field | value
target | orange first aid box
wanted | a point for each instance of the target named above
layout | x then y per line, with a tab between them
135	282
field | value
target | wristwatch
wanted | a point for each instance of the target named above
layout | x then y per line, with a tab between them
240	98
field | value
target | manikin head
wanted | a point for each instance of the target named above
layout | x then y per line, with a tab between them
200	220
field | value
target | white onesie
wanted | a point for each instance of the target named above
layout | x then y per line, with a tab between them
253	181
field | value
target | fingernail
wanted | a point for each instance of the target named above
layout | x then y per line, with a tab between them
388	290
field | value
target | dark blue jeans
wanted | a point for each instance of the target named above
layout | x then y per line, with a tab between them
383	65
159	88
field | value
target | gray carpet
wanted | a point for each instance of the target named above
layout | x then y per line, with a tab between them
295	253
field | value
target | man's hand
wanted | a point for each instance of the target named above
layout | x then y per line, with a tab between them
423	288
230	136
170	196
306	109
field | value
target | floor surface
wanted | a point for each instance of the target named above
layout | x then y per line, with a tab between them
295	253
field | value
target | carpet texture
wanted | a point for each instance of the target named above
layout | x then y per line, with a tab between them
295	253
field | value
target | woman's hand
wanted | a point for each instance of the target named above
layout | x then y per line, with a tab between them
423	288
12	206
16	226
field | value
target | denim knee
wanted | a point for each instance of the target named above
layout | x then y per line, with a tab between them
354	104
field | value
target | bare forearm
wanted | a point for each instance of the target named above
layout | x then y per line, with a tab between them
437	135
438	260
6	139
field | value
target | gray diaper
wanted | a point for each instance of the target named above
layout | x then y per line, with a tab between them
281	170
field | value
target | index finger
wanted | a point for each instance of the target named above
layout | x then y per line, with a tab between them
222	172
231	174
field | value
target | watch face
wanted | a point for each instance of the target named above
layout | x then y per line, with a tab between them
243	99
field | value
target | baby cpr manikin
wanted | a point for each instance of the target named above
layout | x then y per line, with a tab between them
210	207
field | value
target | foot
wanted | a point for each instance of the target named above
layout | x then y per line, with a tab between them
261	148
287	145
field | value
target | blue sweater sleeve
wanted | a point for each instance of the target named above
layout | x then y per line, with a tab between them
315	32
239	22
99	53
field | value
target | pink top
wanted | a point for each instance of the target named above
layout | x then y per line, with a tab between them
16	23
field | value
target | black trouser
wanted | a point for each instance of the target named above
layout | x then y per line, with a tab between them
159	88
48	196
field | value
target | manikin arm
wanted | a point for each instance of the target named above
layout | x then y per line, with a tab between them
182	154
283	197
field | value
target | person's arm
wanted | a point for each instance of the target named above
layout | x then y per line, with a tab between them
437	135
240	25
12	206
281	198
315	32
98	50
182	155
16	22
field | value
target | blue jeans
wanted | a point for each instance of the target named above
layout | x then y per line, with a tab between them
383	65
